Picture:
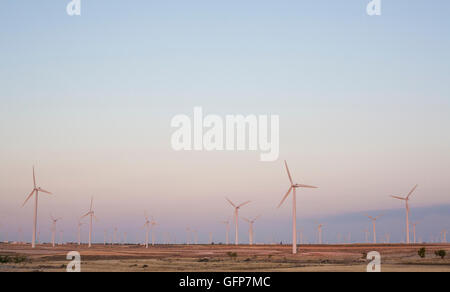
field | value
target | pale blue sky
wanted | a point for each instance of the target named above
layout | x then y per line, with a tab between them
364	103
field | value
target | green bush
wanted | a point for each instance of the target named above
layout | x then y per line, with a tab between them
422	252
441	253
15	259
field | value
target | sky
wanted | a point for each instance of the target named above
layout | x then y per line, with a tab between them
364	106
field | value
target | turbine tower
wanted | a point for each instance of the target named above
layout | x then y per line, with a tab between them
147	229
79	232
374	222
35	191
250	231
54	221
414	231
236	217
319	232
293	188
227	236
91	214
153	223
406	199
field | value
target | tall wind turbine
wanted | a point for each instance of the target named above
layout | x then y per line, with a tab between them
250	230
374	222
35	191
54	221
444	236
406	199
236	217
227	237
91	214
293	189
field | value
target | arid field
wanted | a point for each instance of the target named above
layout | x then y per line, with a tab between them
221	258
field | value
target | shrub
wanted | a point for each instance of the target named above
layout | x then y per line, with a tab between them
15	259
441	253
422	252
232	255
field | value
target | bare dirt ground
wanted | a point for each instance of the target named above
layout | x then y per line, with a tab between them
219	258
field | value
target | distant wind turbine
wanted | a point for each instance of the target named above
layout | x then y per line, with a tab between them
80	224
250	230
147	229
293	188
406	199
236	217
319	232
153	223
227	237
374	222
54	220
35	191
91	214
414	231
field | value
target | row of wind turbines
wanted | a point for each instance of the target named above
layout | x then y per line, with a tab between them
150	223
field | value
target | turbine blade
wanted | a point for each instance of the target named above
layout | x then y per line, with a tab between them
229	201
243	204
245	219
29	196
288	172
285	197
44	191
397	197
34	178
92	203
412	191
84	216
306	186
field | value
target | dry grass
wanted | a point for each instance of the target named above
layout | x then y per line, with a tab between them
207	258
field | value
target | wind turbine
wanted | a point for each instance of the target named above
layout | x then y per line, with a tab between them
54	220
374	222
114	236
91	214
414	231
105	236
227	238
250	231
188	235
406	199
79	232
61	234
319	232
444	236
35	191
293	189
366	234
195	236
153	223
147	229
236	217
301	236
